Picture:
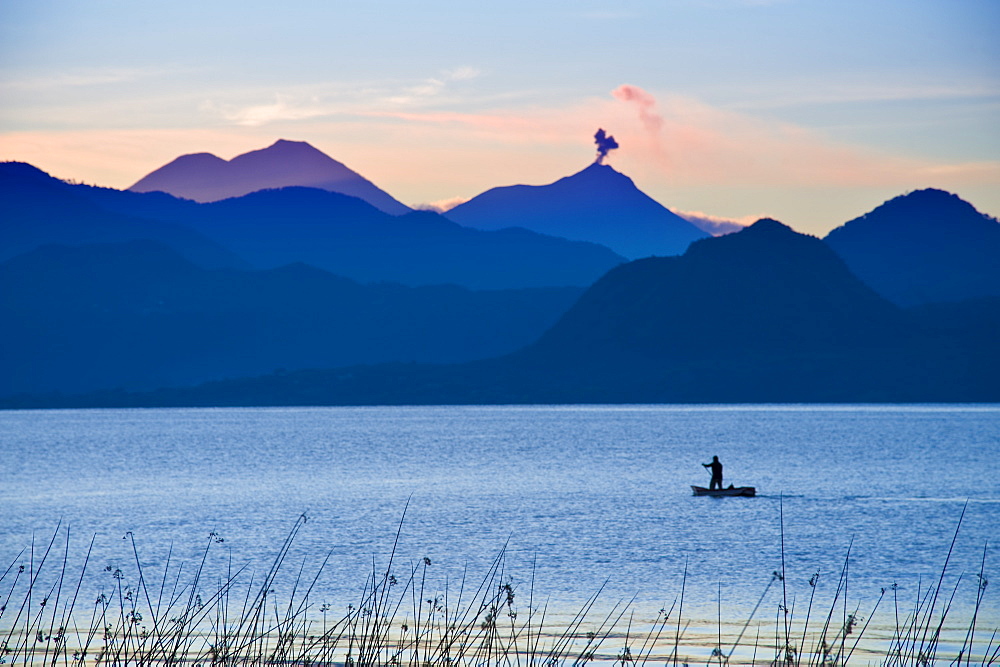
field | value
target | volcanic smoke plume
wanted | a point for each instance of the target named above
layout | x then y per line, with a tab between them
605	142
651	120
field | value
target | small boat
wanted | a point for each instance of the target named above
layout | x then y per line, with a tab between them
747	491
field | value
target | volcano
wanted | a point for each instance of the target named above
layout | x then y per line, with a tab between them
598	204
204	177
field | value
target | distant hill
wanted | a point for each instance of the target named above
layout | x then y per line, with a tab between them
37	209
927	246
764	287
271	228
138	316
204	177
347	236
762	315
597	204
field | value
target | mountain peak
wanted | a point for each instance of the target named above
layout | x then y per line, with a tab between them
287	147
595	173
204	177
765	242
769	228
770	225
759	293
597	204
920	202
598	168
289	142
925	246
929	210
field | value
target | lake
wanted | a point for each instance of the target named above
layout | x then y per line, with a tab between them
582	497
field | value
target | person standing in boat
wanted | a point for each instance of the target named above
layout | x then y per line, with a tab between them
716	467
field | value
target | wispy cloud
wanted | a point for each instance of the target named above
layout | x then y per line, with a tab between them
672	144
441	205
524	126
685	153
692	144
462	73
284	108
432	87
717	225
305	103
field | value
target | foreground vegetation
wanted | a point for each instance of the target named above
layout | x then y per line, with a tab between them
243	618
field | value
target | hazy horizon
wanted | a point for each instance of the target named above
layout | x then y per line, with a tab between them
806	112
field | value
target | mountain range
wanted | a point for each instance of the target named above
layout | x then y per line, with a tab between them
763	315
204	177
270	228
597	204
37	209
128	298
346	236
138	316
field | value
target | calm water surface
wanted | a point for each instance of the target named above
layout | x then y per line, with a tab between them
584	495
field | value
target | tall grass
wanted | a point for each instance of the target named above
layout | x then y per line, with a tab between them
242	617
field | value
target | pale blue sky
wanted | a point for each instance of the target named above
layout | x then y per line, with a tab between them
810	111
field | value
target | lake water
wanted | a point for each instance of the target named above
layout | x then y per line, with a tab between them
584	496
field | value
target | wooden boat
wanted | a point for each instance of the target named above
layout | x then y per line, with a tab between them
747	491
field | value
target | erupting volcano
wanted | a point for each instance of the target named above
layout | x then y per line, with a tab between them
605	142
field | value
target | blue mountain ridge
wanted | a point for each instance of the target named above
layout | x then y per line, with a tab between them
266	229
597	204
137	315
763	315
37	209
928	246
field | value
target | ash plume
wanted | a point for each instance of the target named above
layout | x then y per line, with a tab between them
646	103
605	142
652	122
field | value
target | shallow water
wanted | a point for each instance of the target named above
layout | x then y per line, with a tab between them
584	496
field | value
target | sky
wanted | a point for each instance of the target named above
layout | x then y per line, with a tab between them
809	111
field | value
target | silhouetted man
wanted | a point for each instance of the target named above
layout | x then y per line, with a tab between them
716	467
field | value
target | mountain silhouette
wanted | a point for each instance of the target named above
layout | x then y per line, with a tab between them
766	287
138	316
924	247
762	315
270	228
37	209
348	237
597	204
204	177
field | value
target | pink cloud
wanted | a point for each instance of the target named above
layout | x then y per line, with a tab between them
644	102
717	160
441	205
713	146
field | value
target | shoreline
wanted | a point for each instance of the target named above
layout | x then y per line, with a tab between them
184	614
